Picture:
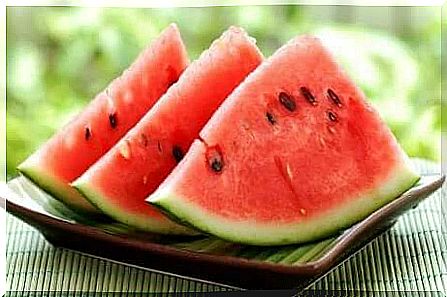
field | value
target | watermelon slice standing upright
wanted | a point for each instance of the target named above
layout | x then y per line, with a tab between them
120	181
106	119
294	154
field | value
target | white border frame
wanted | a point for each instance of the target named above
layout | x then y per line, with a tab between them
201	3
184	3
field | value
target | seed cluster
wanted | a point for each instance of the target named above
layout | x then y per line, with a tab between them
289	102
214	154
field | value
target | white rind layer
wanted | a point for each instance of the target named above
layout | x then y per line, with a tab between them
145	223
34	171
263	233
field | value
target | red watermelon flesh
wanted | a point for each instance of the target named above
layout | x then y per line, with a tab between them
294	154
120	181
106	119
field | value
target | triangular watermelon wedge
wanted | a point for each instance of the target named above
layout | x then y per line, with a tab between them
120	181
106	119
294	154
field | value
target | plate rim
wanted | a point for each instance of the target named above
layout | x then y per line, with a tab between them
342	244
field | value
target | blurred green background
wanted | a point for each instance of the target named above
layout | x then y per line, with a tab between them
58	58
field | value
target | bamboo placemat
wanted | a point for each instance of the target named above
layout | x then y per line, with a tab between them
409	257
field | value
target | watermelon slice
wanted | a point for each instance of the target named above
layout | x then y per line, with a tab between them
106	119
120	181
294	154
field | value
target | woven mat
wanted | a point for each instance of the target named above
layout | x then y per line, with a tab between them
409	257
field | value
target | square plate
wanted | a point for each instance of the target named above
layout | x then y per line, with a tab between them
206	258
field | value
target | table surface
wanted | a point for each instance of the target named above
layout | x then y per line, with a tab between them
409	257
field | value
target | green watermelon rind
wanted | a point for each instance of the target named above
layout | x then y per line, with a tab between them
253	233
60	191
143	223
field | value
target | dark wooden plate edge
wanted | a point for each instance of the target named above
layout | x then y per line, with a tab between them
295	275
380	220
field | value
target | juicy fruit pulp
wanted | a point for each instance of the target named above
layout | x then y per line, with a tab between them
293	155
106	119
120	181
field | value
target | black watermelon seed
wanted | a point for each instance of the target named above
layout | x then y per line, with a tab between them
308	95
332	116
287	101
113	120
177	153
159	146
331	94
270	118
88	133
216	165
214	159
